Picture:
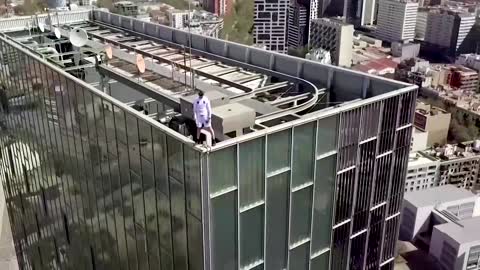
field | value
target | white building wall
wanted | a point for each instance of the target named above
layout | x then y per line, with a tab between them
344	43
419	140
466	24
421	222
436	243
335	37
439	240
369	9
465	249
421	177
476	209
396	20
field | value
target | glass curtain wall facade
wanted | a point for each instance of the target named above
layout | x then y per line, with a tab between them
90	184
108	188
321	195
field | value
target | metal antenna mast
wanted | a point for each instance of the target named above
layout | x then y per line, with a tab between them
192	74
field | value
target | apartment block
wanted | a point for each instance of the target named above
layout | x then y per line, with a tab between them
422	172
433	120
463	78
179	18
459	164
396	20
334	36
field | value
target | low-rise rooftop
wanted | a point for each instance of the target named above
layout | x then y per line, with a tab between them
418	159
455	151
427	109
437	195
463	231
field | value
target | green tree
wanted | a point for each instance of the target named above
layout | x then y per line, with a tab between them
108	4
238	26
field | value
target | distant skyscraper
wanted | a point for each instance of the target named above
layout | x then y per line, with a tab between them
369	12
331	8
357	12
396	20
447	29
421	24
297	25
334	36
270	24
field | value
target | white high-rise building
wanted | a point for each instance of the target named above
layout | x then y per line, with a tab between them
369	12
446	29
396	20
270	24
334	36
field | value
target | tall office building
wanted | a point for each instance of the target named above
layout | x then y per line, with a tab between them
297	29
360	12
356	12
270	24
421	24
308	174
396	20
447	29
369	12
334	36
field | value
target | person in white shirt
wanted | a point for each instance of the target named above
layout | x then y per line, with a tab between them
202	112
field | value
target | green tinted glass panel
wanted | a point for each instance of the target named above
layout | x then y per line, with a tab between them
301	215
327	135
251	172
303	154
277	221
193	182
224	232
251	236
278	151
322	214
321	261
223	171
299	258
175	158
